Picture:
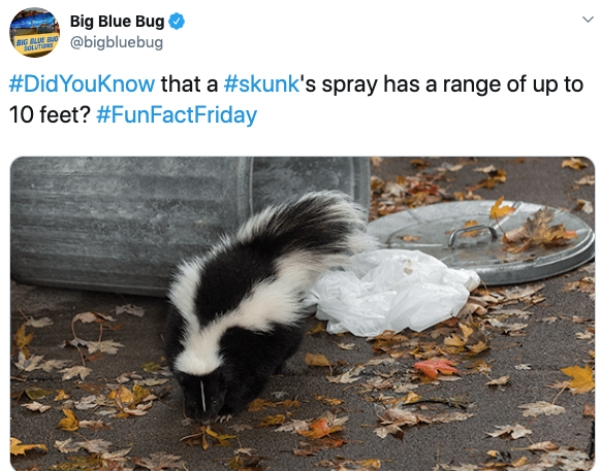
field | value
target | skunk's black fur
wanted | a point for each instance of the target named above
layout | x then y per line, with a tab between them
237	312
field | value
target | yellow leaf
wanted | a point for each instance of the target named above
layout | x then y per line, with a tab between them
316	359
470	233
70	423
372	463
583	379
271	420
61	395
478	347
498	211
17	449
22	340
121	395
259	404
410	398
329	401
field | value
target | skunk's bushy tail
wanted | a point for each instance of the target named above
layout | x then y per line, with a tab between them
324	223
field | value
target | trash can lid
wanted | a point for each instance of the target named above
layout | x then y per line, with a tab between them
442	230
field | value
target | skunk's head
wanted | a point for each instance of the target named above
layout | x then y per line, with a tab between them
203	396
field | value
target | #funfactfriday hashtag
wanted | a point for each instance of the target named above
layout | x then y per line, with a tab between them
191	115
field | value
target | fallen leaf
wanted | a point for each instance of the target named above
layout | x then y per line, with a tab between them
130	309
542	446
106	346
589	410
432	367
536	232
514	431
586	180
81	371
16	448
585	206
499	382
39	323
349	376
36	393
159	462
259	404
498	211
22	340
70	423
36	407
575	164
329	401
316	360
583	379
541	408
272	420
470	233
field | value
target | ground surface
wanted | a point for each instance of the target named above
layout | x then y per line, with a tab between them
556	333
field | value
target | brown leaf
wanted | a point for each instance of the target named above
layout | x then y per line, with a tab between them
513	431
317	359
575	164
272	420
535	232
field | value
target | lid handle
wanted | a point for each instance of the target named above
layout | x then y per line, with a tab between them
457	232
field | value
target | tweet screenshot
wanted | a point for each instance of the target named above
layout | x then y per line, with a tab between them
271	235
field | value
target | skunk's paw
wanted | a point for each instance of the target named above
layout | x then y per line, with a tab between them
224	418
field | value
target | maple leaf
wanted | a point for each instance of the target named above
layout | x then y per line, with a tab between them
498	211
432	367
70	423
535	232
81	371
324	426
349	376
583	379
16	448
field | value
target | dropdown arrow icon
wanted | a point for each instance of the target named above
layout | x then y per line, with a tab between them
586	20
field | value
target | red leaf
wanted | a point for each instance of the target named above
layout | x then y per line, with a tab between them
431	368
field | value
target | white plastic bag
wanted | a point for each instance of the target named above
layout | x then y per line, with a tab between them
391	289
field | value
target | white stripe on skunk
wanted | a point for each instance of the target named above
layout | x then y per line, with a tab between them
238	310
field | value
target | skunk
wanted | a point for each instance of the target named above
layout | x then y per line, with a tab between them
237	313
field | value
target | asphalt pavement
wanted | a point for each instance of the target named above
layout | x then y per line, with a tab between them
122	410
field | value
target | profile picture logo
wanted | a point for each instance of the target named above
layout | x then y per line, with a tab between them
34	32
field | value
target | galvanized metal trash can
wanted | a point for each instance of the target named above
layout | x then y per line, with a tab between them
122	224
